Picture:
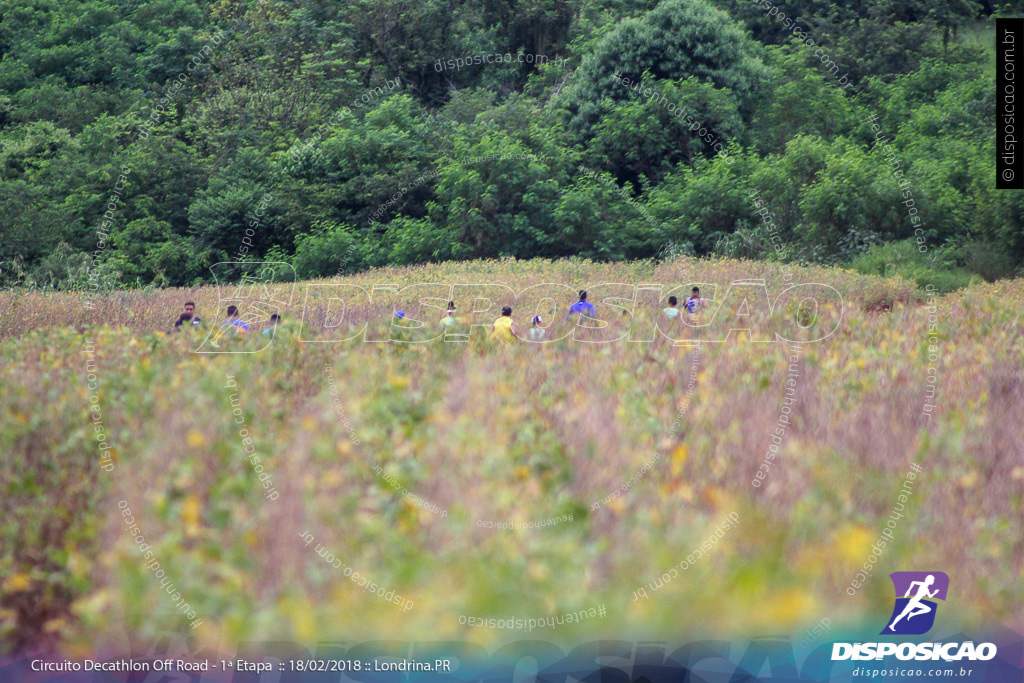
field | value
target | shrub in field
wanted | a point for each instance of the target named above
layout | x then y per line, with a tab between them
905	259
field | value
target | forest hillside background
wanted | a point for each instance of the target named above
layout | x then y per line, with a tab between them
143	142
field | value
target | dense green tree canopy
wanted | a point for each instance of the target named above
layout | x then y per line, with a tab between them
150	140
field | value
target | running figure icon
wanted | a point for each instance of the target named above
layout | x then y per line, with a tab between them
917	594
915	607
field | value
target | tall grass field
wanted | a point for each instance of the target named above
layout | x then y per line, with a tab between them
753	471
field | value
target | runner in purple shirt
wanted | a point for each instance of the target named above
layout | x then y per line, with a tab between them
695	303
581	306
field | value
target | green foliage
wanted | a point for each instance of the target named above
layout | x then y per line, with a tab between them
599	220
676	40
876	37
64	268
852	197
346	115
644	138
146	250
327	251
495	197
989	260
223	210
702	204
934	268
804	102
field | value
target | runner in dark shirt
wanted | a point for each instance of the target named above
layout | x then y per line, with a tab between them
189	317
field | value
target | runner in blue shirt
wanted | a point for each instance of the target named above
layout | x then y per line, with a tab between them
274	320
671	311
235	320
581	306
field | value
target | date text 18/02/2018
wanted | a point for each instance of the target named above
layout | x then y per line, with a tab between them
369	665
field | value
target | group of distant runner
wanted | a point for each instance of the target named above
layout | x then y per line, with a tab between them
188	318
502	329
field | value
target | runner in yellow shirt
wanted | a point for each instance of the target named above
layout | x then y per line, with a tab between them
502	329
